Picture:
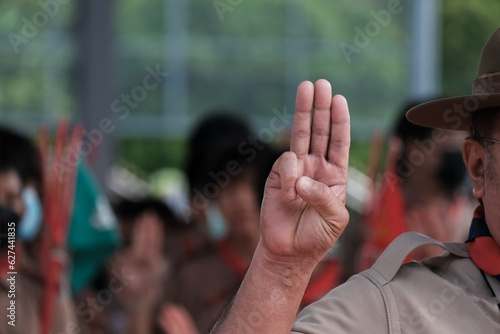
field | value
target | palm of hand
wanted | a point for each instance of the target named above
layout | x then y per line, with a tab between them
296	222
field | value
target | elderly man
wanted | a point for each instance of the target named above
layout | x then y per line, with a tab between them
303	214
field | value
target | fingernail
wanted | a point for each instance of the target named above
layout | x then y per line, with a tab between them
306	183
291	193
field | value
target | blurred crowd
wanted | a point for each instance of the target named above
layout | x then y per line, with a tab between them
86	263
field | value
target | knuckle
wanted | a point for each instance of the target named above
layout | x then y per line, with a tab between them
272	178
320	132
301	134
339	143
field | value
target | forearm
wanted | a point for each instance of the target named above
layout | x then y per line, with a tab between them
269	296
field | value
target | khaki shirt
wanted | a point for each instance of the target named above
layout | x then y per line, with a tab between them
446	294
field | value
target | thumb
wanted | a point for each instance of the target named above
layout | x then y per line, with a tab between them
323	199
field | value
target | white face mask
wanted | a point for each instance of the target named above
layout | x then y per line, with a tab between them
217	228
31	222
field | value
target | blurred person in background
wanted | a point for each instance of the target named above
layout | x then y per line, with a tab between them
203	286
136	273
21	212
424	189
217	130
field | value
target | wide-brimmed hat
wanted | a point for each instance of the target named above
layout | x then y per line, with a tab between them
455	113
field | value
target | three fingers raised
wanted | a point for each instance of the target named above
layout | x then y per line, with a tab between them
328	134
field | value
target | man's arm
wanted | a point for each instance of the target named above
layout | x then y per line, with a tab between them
302	216
268	298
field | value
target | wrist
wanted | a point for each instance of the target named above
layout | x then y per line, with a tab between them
286	271
270	295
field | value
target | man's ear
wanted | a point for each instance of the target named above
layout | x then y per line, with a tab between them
474	154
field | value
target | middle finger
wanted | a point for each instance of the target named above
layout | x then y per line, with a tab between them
321	117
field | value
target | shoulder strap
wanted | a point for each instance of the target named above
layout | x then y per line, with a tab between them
392	258
388	264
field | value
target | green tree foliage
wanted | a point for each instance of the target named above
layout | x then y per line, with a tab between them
466	27
240	55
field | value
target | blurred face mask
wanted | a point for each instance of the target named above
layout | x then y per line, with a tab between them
217	229
32	219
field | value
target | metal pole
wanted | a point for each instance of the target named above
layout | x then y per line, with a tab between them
176	88
425	50
94	80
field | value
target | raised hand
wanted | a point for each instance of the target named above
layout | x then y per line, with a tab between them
303	212
144	261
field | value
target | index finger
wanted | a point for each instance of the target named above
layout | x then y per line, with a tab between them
301	129
340	133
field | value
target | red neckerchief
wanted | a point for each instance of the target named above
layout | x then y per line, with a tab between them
483	249
321	285
235	262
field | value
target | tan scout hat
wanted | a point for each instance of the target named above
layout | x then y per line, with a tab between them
455	113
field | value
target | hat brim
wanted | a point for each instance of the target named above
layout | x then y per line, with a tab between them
451	113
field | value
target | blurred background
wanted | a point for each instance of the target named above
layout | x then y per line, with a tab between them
80	59
177	99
